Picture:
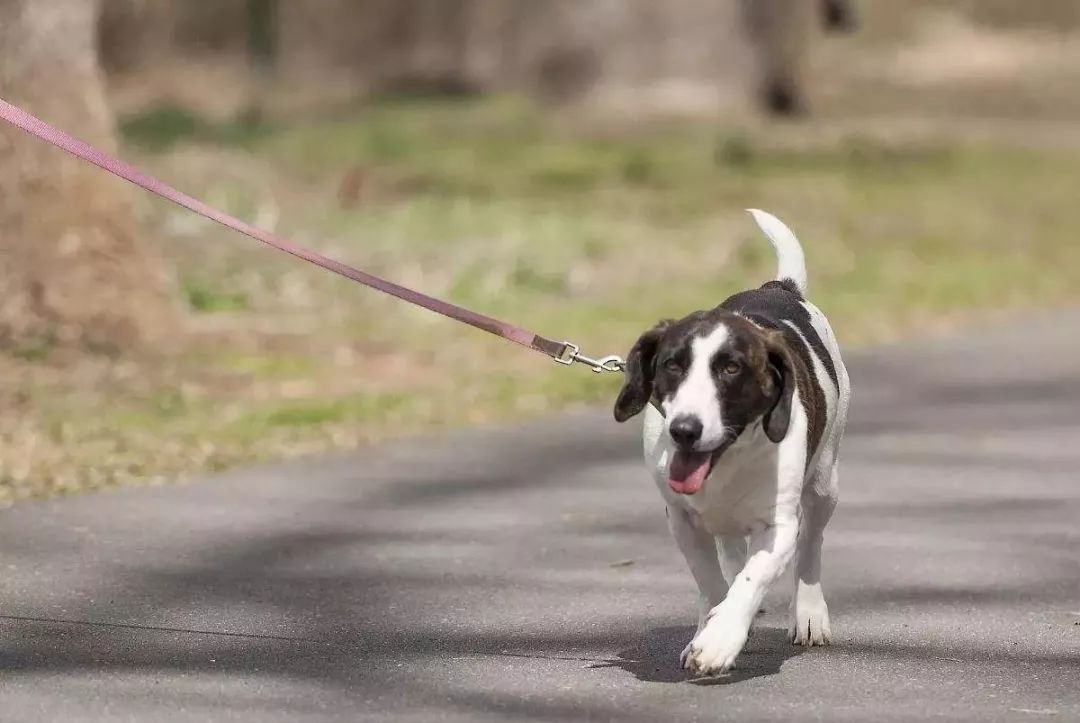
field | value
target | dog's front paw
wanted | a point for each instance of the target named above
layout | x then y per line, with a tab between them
809	617
714	649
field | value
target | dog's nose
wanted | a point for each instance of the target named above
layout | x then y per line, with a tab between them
686	430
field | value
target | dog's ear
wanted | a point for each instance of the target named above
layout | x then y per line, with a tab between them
640	371
778	418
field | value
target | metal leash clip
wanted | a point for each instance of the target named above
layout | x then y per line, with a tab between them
571	354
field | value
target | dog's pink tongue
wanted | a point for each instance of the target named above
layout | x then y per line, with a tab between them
688	471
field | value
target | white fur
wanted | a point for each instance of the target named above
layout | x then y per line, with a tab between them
810	624
696	395
762	502
791	263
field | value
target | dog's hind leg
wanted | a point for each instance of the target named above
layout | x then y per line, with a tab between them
732	556
699	549
809	613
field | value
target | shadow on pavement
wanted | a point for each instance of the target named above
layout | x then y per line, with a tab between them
481	577
655	659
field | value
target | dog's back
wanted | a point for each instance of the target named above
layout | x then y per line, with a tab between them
781	304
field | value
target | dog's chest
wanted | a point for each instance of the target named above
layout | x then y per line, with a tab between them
738	498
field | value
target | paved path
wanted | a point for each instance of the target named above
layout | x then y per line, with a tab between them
526	574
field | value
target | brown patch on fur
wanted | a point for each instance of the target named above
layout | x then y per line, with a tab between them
786	345
797	358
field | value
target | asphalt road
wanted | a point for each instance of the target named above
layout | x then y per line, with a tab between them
525	574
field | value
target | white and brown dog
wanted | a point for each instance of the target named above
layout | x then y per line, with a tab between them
745	405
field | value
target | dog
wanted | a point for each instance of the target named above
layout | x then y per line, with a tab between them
745	405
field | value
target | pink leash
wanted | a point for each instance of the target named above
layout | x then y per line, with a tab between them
561	351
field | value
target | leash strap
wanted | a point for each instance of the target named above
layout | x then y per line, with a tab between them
561	351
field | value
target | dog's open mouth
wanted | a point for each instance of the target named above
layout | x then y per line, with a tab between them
689	469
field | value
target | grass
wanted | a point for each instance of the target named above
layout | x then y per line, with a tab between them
164	126
577	230
202	297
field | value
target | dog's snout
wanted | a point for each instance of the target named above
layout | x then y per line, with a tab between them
685	430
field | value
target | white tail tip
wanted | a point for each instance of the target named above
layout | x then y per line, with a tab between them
791	263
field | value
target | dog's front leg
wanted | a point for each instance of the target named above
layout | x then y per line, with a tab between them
714	649
699	549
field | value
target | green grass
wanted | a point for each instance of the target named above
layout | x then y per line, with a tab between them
358	408
503	208
896	233
579	231
267	366
204	297
163	127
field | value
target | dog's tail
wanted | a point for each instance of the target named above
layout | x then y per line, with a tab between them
791	263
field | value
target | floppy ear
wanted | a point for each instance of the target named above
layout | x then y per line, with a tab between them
640	371
778	418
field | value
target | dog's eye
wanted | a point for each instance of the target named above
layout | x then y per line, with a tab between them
732	368
673	366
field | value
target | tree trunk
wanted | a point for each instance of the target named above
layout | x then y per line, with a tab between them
73	266
136	33
780	32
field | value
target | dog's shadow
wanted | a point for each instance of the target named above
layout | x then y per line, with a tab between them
655	658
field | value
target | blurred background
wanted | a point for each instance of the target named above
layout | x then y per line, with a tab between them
578	167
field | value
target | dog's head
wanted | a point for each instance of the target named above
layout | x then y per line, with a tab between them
713	374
